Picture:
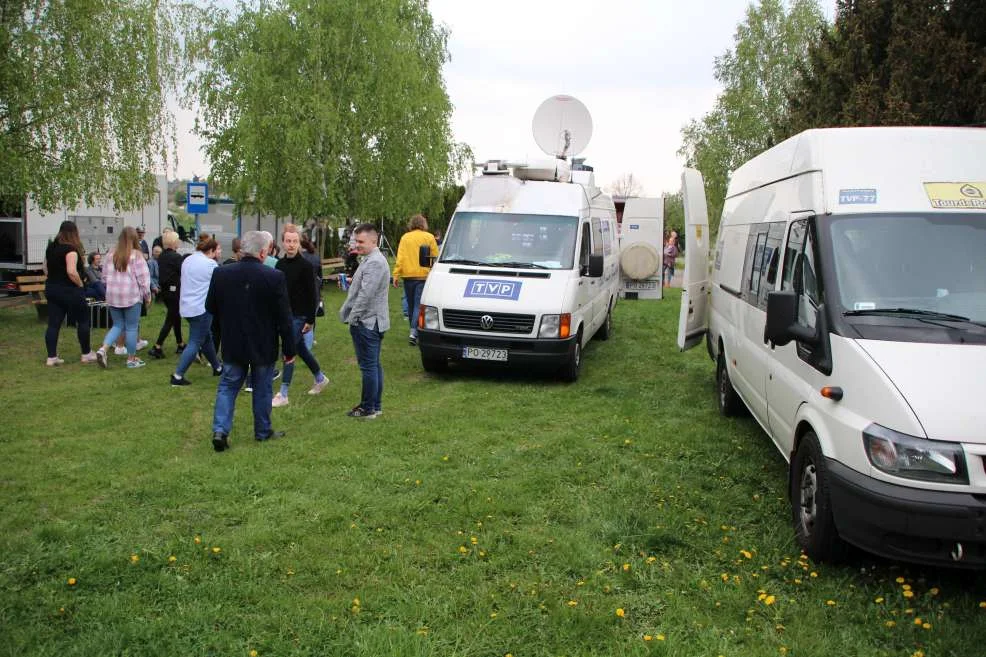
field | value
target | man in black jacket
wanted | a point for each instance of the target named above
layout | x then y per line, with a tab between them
252	302
304	302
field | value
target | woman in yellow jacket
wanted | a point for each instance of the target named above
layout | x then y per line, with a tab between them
408	269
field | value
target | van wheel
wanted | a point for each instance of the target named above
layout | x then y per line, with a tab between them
433	364
606	330
730	405
811	506
570	370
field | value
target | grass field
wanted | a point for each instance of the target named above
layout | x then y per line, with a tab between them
481	515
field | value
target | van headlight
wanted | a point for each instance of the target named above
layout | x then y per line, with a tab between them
915	458
428	318
555	326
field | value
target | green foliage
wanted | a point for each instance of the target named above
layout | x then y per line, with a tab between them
896	62
328	108
83	88
674	215
757	75
560	486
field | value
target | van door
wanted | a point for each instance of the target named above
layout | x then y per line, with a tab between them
586	287
795	369
693	316
598	287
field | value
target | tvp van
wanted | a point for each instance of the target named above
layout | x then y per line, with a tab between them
846	311
527	274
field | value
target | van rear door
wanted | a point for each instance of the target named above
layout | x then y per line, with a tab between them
693	317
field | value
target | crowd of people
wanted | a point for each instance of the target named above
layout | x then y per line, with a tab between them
254	309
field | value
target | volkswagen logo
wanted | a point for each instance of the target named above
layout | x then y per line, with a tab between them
486	322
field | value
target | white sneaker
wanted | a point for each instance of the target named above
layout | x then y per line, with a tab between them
141	344
89	358
278	401
120	351
101	357
54	362
318	387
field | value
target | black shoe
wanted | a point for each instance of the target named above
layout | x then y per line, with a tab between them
271	436
175	381
180	348
218	372
220	441
413	340
361	412
277	375
155	352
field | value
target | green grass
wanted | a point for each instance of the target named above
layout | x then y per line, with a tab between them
466	520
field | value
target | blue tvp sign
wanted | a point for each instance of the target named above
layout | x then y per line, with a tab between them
493	289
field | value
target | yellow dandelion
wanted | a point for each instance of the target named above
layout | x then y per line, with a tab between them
782	650
908	594
356	602
900	580
918	621
879	601
906	587
72	581
934	590
813	574
473	540
134	558
463	549
482	553
769	600
172	559
626	567
982	605
660	637
198	539
724	577
572	603
746	553
423	630
651	560
216	549
620	613
797	580
917	653
627	441
445	458
926	626
493	614
508	655
290	572
253	653
830	603
891	623
648	637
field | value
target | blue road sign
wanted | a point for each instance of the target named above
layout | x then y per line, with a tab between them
198	198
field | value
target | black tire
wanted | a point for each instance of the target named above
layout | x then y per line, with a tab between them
606	330
435	365
811	505
570	370
730	404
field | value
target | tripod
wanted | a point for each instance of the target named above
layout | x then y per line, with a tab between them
384	245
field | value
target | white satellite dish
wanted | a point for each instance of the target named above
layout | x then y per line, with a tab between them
562	126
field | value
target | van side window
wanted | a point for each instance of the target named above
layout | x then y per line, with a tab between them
585	248
597	237
756	272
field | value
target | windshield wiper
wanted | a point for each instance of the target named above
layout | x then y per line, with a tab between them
919	312
462	261
517	265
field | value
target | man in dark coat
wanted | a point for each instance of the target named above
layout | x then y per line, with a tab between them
252	303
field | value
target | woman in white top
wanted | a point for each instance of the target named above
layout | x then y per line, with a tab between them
196	275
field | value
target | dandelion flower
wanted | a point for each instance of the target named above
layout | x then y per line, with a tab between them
463	549
769	600
830	603
813	574
746	553
473	540
493	614
900	580
926	626
445	458
908	594
356	602
572	603
879	601
933	590
172	559
651	560
906	587
891	623
626	567
216	549
648	637
660	637
982	605
918	621
620	613
253	653
134	558
198	539
71	581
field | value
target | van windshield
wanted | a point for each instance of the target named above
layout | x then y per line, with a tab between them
889	264
515	240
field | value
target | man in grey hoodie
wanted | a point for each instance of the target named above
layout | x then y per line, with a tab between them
367	313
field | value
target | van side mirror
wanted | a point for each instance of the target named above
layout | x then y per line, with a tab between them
595	266
782	320
425	259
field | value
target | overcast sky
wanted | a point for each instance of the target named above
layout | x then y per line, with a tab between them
643	68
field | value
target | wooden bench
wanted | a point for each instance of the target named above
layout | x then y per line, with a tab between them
331	267
35	286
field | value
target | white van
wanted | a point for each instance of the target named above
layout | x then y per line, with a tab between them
527	274
847	312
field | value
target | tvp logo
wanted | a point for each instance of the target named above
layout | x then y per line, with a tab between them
493	289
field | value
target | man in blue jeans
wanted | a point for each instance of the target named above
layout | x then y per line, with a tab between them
255	316
366	312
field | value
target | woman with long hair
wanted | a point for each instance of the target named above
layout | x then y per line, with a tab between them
128	286
64	289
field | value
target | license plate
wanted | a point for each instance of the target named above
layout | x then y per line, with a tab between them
640	285
484	353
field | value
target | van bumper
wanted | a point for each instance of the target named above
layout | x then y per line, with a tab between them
909	524
533	352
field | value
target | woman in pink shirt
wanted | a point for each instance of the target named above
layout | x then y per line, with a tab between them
128	286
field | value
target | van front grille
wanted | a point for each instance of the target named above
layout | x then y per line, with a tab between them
471	320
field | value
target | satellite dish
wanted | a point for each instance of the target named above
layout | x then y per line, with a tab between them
562	126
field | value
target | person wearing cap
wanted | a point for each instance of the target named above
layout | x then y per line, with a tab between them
143	243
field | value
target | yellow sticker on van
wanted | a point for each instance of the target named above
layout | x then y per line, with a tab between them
957	195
